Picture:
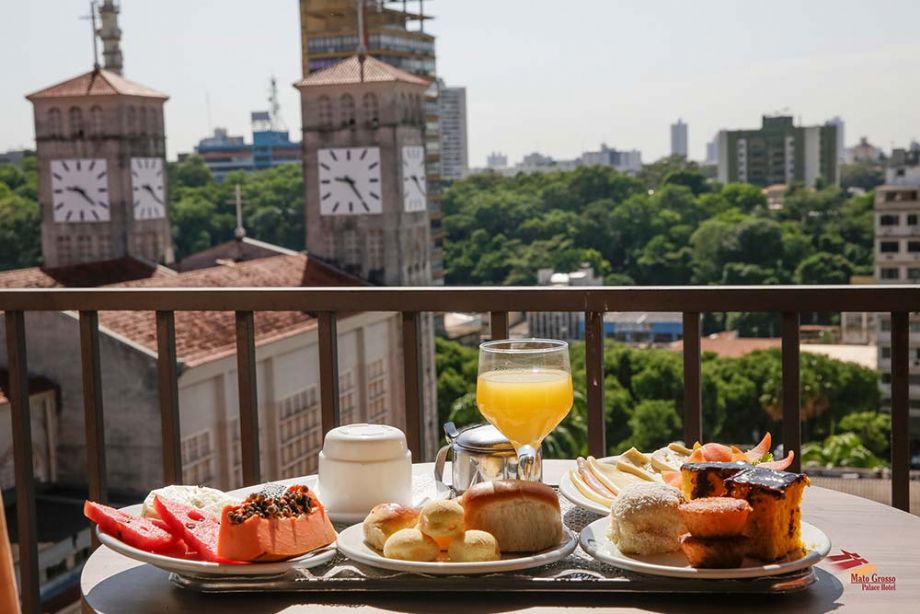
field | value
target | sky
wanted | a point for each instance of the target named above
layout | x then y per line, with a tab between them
559	77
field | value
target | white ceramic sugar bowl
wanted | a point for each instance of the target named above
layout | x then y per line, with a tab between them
362	465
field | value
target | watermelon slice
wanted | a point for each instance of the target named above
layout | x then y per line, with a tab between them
132	530
197	528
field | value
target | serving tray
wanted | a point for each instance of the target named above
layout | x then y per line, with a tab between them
579	572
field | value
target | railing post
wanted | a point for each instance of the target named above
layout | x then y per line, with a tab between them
498	323
792	420
27	530
900	401
594	381
249	396
693	389
328	371
412	374
93	420
168	377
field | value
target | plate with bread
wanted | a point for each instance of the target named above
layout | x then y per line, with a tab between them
727	520
493	527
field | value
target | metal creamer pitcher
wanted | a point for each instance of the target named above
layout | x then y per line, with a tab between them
479	453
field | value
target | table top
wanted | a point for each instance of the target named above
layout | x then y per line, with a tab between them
884	537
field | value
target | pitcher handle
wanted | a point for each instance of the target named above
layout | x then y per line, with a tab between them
439	462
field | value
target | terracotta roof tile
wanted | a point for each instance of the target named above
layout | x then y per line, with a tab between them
730	345
349	71
100	82
87	275
206	336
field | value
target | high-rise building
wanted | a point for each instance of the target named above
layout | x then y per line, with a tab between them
623	161
712	150
364	185
779	152
841	147
496	160
101	149
679	139
452	119
394	33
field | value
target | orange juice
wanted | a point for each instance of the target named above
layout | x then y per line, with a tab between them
524	404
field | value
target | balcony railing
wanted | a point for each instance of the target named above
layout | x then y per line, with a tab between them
327	304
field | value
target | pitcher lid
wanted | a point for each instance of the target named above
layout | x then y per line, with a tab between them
482	438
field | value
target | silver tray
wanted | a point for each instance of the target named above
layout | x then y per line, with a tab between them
578	573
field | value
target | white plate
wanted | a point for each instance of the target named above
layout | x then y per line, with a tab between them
568	490
207	568
674	565
351	544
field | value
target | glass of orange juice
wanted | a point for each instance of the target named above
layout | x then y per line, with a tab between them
525	390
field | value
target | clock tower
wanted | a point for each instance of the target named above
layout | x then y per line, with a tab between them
101	150
365	186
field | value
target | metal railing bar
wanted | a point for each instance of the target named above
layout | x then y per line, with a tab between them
498	322
576	299
693	389
93	415
792	421
900	397
594	382
248	396
412	382
26	517
168	383
328	371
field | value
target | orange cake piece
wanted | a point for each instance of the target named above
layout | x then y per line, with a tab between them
707	479
774	525
274	524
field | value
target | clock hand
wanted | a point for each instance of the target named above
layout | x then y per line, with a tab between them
82	193
420	188
355	190
149	188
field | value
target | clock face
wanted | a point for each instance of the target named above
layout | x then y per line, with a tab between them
149	195
413	175
79	190
349	181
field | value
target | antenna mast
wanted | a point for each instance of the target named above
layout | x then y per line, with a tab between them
92	19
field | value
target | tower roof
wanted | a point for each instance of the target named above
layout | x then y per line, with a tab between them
349	71
97	82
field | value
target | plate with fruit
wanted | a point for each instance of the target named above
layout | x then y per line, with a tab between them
729	520
495	526
200	531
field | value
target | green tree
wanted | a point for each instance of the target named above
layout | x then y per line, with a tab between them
824	268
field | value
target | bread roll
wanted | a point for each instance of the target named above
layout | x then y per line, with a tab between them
474	546
523	516
386	519
411	545
644	519
441	520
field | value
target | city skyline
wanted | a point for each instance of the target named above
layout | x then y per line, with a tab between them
626	87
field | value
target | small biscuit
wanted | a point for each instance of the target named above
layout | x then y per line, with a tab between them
442	520
384	520
411	545
474	546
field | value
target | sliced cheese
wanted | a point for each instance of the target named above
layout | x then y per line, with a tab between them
635	457
626	467
587	491
681	449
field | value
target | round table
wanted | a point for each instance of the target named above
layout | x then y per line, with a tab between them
883	536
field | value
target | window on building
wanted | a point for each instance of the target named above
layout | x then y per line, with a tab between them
153	120
914	379
348	403
96	127
324	111
64	250
888	247
377	406
103	247
142	120
889	220
236	454
198	458
350	245
375	250
75	117
404	105
347	104
912	219
913	246
917	354
55	128
84	248
890	273
299	432
371	109
914	326
913	274
131	120
886	352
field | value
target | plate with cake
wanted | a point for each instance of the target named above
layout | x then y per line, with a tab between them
727	520
495	526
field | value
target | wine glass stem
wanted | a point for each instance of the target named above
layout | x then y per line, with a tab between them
527	463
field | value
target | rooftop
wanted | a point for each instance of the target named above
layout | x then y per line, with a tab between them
97	82
86	275
359	69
